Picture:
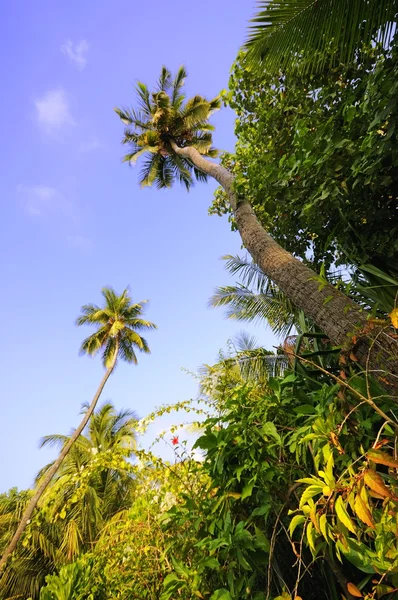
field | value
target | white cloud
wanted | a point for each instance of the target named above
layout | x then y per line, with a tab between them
90	145
52	111
41	200
76	53
56	212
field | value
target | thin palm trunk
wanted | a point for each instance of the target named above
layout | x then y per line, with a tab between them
338	317
47	478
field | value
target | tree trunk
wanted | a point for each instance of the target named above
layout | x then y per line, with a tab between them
46	480
341	319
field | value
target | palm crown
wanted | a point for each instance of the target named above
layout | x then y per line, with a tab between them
118	322
163	115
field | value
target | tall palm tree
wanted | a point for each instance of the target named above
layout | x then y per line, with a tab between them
307	34
175	136
119	323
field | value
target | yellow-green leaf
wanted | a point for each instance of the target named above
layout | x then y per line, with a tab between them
343	515
363	512
311	537
297	520
313	517
312	490
382	590
323	525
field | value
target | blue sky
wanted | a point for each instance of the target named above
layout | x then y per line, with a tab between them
74	218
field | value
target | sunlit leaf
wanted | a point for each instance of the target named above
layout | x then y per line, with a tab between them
375	482
297	520
363	512
382	458
343	515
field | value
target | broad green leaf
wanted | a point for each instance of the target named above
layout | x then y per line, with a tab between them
343	515
311	536
247	490
295	522
221	594
310	492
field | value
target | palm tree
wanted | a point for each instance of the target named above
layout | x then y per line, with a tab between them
306	35
109	490
255	298
175	136
118	325
244	361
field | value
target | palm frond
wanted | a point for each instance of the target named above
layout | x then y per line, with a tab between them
258	364
132	157
199	175
197	110
215	104
165	174
144	101
305	34
176	97
150	170
109	351
164	81
182	171
124	115
133	338
244	341
202	142
256	299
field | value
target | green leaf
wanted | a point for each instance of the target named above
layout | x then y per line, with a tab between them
343	515
269	429
311	536
357	554
310	492
221	594
295	522
247	490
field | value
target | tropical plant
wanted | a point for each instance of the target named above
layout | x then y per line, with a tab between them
161	114
324	32
72	583
119	323
320	165
255	298
293	458
167	129
92	485
108	490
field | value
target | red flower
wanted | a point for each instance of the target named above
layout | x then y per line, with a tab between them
174	440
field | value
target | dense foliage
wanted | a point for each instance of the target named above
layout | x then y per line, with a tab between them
317	157
296	496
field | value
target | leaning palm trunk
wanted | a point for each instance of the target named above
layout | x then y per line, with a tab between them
338	317
47	478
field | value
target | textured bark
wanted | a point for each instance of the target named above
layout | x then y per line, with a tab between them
342	320
46	480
